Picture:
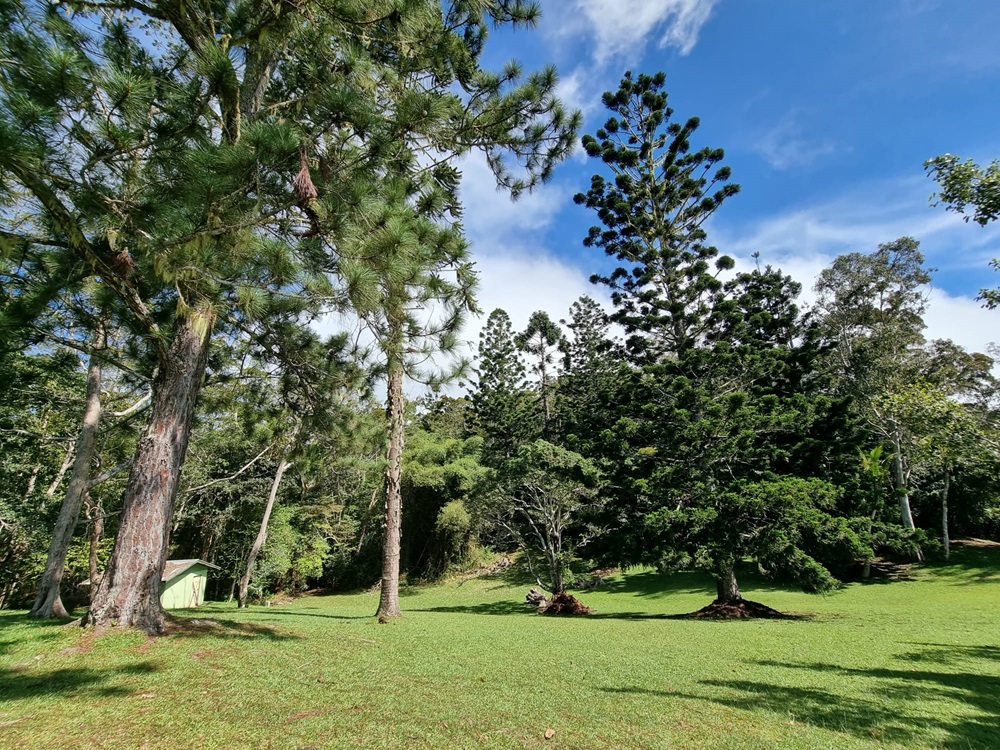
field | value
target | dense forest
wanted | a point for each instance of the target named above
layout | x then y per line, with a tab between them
189	190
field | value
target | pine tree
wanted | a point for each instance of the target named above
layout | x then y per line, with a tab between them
498	398
541	340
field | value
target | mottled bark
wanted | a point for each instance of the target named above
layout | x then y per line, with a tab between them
129	595
95	513
727	589
388	605
48	602
944	515
258	543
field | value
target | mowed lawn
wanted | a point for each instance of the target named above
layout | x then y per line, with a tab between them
907	664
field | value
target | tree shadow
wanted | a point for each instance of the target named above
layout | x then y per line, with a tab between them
654	585
197	627
485	608
286	613
892	717
970	564
22	682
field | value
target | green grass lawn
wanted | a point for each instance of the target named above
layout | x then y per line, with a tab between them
908	664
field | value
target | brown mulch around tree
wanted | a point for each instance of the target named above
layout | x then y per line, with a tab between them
742	610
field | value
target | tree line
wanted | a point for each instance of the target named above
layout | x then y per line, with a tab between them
187	189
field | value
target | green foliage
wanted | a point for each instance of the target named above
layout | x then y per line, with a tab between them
546	498
974	192
652	214
499	401
440	475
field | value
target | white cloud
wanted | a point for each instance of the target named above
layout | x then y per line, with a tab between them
804	240
786	146
859	221
490	213
622	28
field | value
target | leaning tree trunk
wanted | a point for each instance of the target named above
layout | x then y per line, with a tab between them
129	595
258	543
388	605
727	589
48	602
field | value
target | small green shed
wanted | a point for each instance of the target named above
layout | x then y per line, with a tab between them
183	583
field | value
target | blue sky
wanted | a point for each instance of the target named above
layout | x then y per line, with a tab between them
827	110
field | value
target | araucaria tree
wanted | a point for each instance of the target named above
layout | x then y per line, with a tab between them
499	404
715	400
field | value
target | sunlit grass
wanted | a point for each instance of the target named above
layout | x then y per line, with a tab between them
908	664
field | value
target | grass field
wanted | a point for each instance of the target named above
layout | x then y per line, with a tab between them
907	664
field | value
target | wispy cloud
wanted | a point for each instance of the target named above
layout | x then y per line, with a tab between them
623	28
788	146
491	214
803	240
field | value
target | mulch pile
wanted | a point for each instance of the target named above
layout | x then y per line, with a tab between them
741	610
565	604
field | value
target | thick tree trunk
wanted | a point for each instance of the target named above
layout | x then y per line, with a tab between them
388	605
727	589
129	595
258	543
944	515
48	602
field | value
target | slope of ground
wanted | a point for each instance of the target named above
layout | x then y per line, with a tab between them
904	664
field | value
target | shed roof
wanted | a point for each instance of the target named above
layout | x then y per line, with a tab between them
174	568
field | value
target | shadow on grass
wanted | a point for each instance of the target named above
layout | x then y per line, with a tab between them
485	608
967	710
286	613
198	627
970	564
22	682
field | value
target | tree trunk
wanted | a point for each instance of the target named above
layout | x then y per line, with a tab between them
66	464
96	515
129	595
906	515
727	589
388	605
944	515
48	602
258	543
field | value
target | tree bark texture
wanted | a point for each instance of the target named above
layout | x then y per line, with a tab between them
48	602
95	513
944	515
258	543
727	589
906	515
129	594
388	605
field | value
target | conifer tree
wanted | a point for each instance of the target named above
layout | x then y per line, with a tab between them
498	398
98	128
541	340
714	403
